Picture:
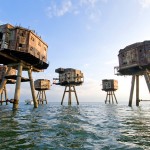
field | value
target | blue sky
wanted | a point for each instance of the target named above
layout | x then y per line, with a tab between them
85	35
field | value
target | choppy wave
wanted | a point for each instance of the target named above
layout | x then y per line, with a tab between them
87	126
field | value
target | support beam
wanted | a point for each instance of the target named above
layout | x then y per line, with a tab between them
41	97
69	98
45	96
17	89
2	97
147	79
106	97
76	95
63	95
110	97
4	80
132	90
137	90
32	89
115	97
70	90
6	97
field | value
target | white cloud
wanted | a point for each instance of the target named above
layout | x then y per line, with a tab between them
91	3
55	10
144	3
87	7
95	15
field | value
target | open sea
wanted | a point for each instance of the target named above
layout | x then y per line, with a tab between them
89	126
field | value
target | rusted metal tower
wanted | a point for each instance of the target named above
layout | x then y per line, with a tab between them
109	86
134	60
69	78
41	85
23	50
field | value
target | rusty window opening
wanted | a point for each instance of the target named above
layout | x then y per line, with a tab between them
20	45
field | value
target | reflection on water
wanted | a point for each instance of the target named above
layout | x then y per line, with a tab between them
88	126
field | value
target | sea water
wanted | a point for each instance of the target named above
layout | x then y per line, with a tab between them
89	126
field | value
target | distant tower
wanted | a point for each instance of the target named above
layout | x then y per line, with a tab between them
134	60
41	85
69	78
109	86
3	69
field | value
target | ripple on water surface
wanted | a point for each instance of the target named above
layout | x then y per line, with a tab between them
88	126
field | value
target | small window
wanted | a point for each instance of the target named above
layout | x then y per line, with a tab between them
39	44
32	38
22	34
20	45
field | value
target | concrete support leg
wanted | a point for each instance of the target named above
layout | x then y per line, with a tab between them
132	90
115	97
2	97
38	96
69	98
106	98
76	95
42	97
137	90
109	97
6	97
17	89
32	88
147	79
112	97
45	97
4	80
63	95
